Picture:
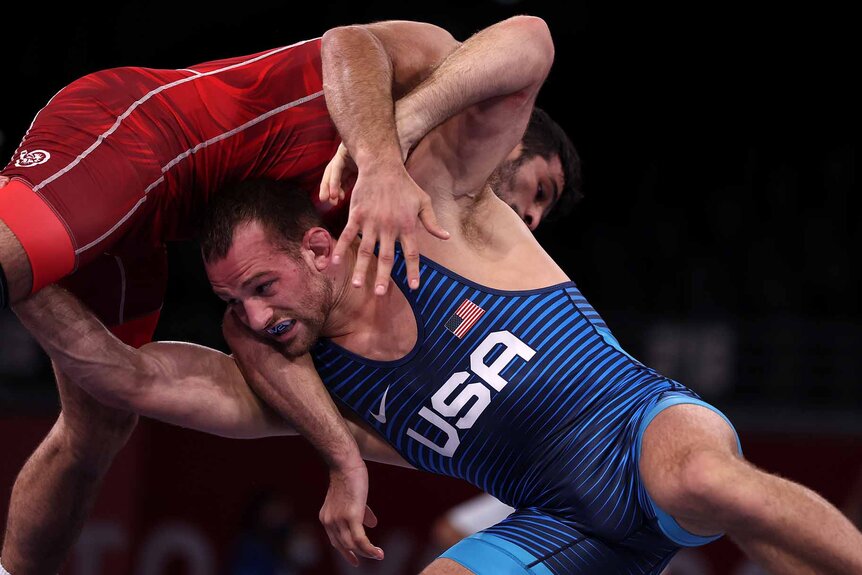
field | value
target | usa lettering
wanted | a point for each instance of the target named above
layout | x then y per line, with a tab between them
490	375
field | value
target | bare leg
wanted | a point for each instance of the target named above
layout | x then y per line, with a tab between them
691	469
16	265
56	488
445	567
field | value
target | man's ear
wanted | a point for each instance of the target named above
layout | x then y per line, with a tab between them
318	243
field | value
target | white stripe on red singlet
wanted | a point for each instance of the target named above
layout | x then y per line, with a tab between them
146	97
194	150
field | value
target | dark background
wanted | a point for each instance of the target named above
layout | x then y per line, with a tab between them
720	147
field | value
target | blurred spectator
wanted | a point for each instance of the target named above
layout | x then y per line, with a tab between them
465	519
271	542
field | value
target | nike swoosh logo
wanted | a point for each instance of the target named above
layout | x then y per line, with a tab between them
381	413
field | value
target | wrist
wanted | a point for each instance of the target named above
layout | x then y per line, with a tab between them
342	454
379	159
409	125
348	467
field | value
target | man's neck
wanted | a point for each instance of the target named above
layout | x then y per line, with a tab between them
379	327
353	305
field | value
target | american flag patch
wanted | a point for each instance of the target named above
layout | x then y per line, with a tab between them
464	318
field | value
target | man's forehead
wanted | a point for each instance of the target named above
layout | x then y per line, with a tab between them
555	172
250	244
249	232
550	168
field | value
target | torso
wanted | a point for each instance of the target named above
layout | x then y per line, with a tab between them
502	388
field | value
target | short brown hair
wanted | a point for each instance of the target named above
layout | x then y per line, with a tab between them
545	138
283	209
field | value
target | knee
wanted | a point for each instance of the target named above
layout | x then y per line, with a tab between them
714	486
703	477
96	440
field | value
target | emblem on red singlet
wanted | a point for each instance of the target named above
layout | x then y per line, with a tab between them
29	159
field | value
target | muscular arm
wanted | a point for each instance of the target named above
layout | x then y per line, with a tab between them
507	64
371	444
294	389
425	74
179	383
365	69
361	68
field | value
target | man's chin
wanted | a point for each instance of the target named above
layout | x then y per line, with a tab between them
297	346
293	349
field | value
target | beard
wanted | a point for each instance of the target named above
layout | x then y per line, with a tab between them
313	310
502	179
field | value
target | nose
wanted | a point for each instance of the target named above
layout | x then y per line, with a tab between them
532	217
257	314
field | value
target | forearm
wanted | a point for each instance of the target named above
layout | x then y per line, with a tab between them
78	343
499	60
357	82
371	445
179	383
294	390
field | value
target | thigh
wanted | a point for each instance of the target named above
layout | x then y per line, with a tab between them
126	294
93	431
124	291
86	170
446	567
14	265
677	434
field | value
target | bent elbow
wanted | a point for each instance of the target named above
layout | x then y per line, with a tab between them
335	40
538	52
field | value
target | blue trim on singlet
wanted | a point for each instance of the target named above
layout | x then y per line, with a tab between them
485	554
417	313
461	279
668	525
612	341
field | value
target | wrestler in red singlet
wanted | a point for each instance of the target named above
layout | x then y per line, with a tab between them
123	160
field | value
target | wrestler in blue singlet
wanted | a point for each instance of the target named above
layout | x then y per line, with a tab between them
535	403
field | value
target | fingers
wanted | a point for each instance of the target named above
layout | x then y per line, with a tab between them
323	192
385	259
429	220
362	546
336	193
363	258
330	184
338	174
370	518
411	260
382	218
345	240
352	542
385	256
348	555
